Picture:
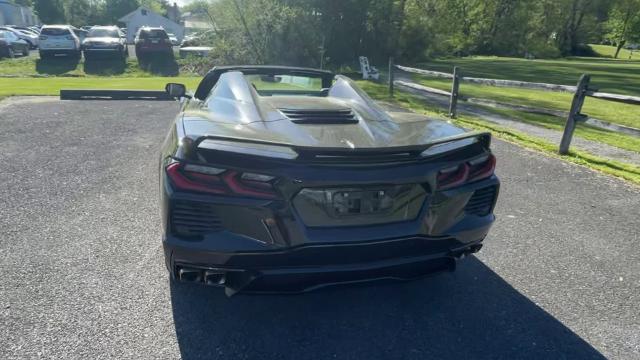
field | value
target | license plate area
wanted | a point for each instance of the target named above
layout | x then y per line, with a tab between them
350	206
361	202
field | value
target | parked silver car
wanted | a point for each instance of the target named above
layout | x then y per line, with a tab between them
59	39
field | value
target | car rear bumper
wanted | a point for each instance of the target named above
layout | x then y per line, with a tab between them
270	246
58	48
60	51
103	51
309	267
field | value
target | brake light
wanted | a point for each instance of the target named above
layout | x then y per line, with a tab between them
473	170
482	168
453	176
212	180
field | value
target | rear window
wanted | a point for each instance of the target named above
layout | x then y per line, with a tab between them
103	33
153	34
54	31
290	83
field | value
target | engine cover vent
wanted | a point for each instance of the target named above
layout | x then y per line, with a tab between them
320	117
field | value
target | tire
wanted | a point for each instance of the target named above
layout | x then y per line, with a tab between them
10	53
26	51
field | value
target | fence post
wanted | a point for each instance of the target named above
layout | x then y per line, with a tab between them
453	100
574	113
391	67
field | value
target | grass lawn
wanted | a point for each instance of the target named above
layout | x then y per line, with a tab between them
618	113
623	141
625	171
52	86
617	76
609	75
607	51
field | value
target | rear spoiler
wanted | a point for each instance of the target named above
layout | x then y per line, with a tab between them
295	152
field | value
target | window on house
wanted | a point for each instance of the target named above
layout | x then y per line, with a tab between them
144	12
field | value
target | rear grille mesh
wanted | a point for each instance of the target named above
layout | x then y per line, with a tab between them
481	201
340	116
194	218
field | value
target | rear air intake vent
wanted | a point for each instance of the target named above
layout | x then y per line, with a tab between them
481	202
191	218
340	116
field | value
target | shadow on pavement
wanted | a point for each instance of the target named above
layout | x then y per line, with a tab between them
105	66
470	314
56	65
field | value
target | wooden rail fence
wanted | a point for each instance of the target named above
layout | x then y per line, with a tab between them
580	92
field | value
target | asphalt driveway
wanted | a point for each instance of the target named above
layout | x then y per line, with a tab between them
83	275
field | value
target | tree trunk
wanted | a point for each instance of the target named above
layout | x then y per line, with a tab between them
618	48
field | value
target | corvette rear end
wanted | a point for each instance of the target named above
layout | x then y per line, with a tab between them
285	180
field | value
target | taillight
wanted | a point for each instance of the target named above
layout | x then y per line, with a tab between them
212	180
167	41
453	176
481	168
473	170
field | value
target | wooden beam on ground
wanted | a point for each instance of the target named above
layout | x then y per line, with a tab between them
425	72
86	94
422	88
520	84
627	99
492	82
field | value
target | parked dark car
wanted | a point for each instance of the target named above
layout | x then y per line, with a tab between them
105	41
280	179
10	45
152	41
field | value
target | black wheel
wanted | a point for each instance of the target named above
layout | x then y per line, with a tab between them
25	51
10	53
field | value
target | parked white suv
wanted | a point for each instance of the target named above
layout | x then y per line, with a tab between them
59	39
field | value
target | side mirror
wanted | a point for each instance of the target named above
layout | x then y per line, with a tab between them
176	91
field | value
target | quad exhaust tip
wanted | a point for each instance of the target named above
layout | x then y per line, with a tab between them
209	277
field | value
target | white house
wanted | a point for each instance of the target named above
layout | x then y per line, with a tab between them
145	17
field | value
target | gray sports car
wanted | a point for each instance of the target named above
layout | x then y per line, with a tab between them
280	179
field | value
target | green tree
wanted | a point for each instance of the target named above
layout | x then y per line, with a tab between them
624	23
49	11
77	12
115	9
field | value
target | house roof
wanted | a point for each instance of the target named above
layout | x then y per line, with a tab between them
130	15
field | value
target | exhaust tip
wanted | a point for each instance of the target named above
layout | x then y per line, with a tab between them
189	275
214	277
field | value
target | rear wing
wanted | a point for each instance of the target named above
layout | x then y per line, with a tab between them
285	151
